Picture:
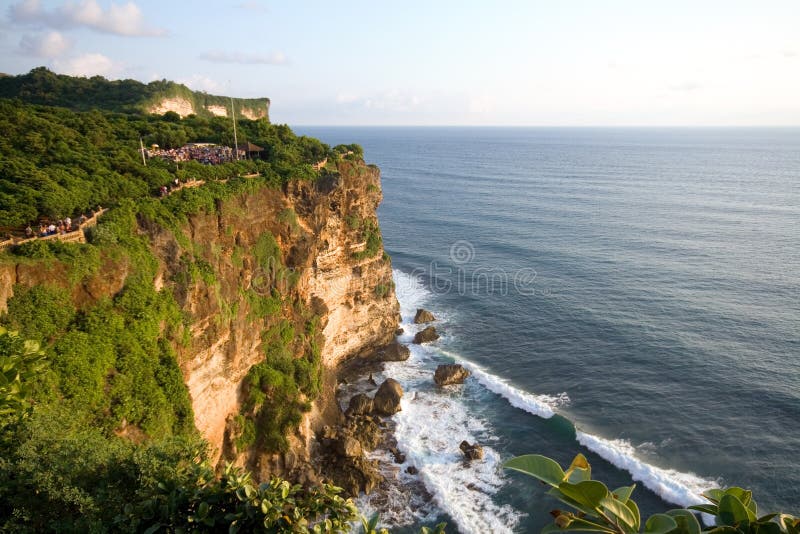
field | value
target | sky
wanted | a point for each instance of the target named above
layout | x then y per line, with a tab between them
520	63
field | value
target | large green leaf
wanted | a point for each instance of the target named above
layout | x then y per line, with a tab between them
660	524
742	494
579	470
705	508
619	510
556	493
634	508
731	511
589	493
765	528
624	493
687	522
714	495
577	525
537	466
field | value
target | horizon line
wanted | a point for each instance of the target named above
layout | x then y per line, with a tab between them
663	126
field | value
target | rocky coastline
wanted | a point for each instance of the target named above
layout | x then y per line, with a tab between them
359	447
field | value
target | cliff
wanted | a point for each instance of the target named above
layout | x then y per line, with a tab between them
266	278
41	86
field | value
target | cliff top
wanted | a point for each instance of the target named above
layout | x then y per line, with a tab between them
42	86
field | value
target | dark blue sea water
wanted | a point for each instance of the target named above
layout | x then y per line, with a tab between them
631	294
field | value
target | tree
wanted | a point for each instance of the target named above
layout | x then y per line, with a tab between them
20	361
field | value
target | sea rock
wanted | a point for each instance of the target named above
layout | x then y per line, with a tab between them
399	457
411	470
360	404
387	398
398	331
450	374
471	452
425	336
423	316
393	352
349	447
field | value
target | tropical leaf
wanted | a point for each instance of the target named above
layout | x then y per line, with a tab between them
686	520
660	524
537	466
589	493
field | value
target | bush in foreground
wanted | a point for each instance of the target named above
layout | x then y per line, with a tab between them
614	512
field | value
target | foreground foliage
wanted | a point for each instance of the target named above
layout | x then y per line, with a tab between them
614	512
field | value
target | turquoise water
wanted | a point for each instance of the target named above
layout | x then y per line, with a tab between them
632	294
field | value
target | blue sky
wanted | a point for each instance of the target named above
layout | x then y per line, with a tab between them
438	62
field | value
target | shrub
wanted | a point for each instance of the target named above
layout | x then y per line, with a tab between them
604	511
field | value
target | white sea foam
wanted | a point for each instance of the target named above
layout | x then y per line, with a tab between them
543	406
429	430
673	486
433	423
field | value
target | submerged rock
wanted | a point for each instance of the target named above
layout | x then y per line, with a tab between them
393	352
425	336
471	452
423	316
387	398
450	374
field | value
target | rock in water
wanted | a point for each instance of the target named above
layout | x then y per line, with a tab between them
393	352
471	452
450	374
423	316
387	398
424	336
360	404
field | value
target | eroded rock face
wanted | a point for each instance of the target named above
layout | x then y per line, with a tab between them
329	298
360	404
423	316
387	398
426	336
450	374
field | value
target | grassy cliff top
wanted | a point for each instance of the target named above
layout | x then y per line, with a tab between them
42	86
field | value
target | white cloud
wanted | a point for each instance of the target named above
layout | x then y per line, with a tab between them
50	45
198	82
123	19
217	56
93	64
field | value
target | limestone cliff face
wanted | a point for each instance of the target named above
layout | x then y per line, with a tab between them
249	108
333	276
319	229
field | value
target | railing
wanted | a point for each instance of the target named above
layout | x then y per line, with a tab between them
73	236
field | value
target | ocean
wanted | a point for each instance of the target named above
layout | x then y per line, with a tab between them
630	294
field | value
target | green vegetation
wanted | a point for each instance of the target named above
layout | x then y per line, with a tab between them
372	239
56	163
41	86
280	389
96	425
381	290
599	510
20	361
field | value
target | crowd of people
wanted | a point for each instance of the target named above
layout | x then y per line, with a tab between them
206	153
61	226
